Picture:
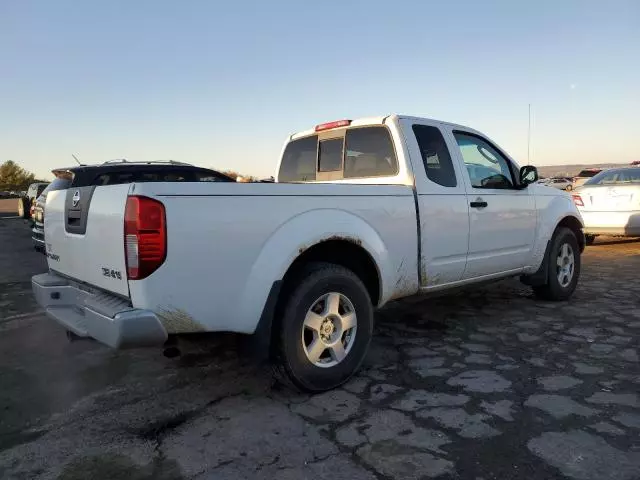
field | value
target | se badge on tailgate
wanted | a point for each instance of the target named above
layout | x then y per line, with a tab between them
107	272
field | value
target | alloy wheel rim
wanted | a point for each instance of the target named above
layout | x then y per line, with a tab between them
565	265
329	330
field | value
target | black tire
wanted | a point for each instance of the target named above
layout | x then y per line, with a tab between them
315	281
553	290
23	207
589	239
569	188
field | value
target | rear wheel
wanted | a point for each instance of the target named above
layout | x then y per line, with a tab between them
326	328
563	267
589	239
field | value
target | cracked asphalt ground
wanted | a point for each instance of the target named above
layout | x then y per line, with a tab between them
485	384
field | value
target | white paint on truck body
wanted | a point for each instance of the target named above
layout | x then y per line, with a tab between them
227	243
83	257
221	263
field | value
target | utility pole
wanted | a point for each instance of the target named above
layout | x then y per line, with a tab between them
529	139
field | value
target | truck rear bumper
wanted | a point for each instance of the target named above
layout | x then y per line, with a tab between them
96	314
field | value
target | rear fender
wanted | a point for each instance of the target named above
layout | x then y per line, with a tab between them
298	234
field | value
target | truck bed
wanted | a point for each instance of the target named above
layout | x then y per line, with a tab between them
228	242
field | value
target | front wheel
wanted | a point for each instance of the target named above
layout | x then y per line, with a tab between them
326	328
563	268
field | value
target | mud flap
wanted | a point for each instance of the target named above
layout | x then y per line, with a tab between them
258	345
540	277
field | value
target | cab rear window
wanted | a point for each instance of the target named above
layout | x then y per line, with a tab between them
369	153
359	153
299	160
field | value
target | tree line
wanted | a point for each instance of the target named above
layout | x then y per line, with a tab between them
238	177
15	178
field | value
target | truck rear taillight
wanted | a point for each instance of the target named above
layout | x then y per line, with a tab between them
330	125
577	199
145	236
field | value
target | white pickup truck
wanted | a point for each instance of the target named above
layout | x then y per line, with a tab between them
362	212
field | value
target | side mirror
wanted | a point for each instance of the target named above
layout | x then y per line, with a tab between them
528	175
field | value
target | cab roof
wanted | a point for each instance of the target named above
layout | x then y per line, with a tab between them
379	120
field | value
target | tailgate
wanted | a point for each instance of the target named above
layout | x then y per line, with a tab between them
84	235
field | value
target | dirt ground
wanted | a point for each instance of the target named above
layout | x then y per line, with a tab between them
484	384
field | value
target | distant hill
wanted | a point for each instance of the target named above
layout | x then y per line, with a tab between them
547	171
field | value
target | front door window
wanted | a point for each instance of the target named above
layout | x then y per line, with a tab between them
487	167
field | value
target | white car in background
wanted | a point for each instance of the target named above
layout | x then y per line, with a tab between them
610	203
584	176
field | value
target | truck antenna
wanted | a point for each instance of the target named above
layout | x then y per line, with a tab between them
529	138
76	159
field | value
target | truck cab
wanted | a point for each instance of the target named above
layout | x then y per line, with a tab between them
478	216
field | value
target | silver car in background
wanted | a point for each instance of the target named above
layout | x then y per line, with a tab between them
561	183
610	203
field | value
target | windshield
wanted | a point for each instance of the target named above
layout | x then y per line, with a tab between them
616	177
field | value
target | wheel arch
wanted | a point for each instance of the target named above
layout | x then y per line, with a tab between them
344	251
539	277
553	211
575	225
328	235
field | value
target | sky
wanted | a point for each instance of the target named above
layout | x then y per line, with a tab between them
222	84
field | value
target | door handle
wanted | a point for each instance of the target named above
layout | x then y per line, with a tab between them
479	203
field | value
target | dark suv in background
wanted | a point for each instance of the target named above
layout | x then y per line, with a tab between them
117	172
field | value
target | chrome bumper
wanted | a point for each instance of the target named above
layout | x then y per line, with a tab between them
37	238
98	315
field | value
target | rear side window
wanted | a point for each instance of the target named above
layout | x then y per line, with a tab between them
369	152
435	155
115	178
211	177
148	176
299	160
